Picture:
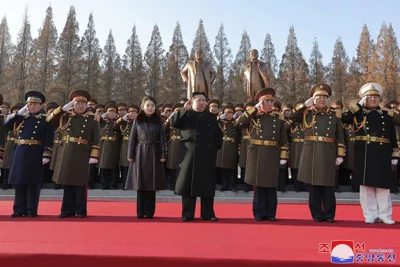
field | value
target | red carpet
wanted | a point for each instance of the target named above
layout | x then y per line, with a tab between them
113	237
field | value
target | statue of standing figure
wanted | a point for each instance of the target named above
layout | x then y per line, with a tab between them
256	76
198	75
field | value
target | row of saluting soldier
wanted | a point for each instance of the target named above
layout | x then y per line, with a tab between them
70	138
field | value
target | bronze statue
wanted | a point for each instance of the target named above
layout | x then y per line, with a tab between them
198	75
256	76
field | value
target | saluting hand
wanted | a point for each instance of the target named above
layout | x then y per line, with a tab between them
259	104
23	110
362	101
104	116
68	106
126	117
188	105
222	117
309	102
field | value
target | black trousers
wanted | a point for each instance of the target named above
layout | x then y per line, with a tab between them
171	181
74	200
189	207
4	179
47	174
265	202
228	179
26	199
109	178
247	187
283	178
124	174
298	186
146	203
93	174
322	202
344	176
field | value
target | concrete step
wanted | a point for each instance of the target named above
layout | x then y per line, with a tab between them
169	196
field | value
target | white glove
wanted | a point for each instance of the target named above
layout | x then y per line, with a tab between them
68	106
23	110
172	114
259	104
339	161
236	115
104	116
394	161
283	161
126	117
222	117
45	161
309	102
93	161
362	101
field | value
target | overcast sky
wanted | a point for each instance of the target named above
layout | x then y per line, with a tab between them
325	20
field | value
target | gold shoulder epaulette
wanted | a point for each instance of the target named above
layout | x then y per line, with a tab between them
391	113
339	114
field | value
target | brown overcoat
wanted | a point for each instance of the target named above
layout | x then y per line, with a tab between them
227	155
110	144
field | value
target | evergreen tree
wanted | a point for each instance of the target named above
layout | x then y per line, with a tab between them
154	62
176	59
133	68
223	58
293	72
317	70
68	54
109	75
355	81
6	53
338	76
268	56
365	56
90	58
200	42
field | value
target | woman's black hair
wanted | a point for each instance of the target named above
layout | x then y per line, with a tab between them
155	117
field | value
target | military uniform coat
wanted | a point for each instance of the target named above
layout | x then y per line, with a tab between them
244	142
56	146
26	166
175	147
72	164
3	135
296	139
125	128
348	160
8	149
318	158
202	138
372	160
263	162
227	155
147	146
110	144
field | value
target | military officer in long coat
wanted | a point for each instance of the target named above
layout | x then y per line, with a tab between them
125	126
267	150
8	149
199	75
375	151
227	155
78	147
175	149
283	176
49	168
33	142
110	145
323	150
202	138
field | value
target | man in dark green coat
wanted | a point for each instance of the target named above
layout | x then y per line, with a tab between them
79	147
202	138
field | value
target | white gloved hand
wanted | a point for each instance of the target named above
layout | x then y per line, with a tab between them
23	110
222	117
394	161
93	161
104	116
68	106
339	161
45	161
172	114
283	161
259	104
126	117
236	115
309	102
362	101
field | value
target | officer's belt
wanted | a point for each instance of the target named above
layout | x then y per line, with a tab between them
319	139
75	140
246	137
297	140
175	137
352	139
109	138
56	141
10	139
126	138
27	142
373	139
264	142
225	138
